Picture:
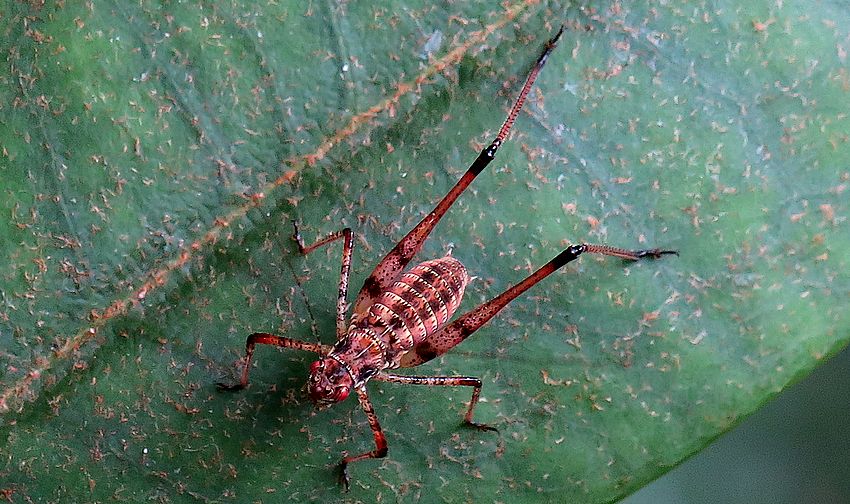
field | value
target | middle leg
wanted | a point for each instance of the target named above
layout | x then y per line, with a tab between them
270	339
444	381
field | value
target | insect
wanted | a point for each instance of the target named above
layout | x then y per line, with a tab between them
401	319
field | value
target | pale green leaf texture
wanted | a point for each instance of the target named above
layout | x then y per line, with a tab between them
153	155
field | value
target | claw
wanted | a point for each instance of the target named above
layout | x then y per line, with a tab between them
229	387
655	253
296	236
344	478
481	426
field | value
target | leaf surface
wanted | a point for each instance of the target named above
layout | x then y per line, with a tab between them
154	154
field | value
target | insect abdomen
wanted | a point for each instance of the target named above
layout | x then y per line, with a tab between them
419	303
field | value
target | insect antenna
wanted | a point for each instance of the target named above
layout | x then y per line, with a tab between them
314	327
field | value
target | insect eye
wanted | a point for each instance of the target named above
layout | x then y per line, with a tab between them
316	367
341	393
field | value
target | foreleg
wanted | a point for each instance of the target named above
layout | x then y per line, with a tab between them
345	270
270	339
380	450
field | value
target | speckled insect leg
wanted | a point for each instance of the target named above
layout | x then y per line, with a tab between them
452	334
629	255
380	450
390	267
270	339
444	381
345	270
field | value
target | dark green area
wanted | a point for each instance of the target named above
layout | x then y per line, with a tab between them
791	450
130	133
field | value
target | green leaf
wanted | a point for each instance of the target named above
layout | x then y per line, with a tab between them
154	154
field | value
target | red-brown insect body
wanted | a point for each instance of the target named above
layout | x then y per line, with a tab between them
413	308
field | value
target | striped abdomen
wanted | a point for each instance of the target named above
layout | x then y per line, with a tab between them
419	303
